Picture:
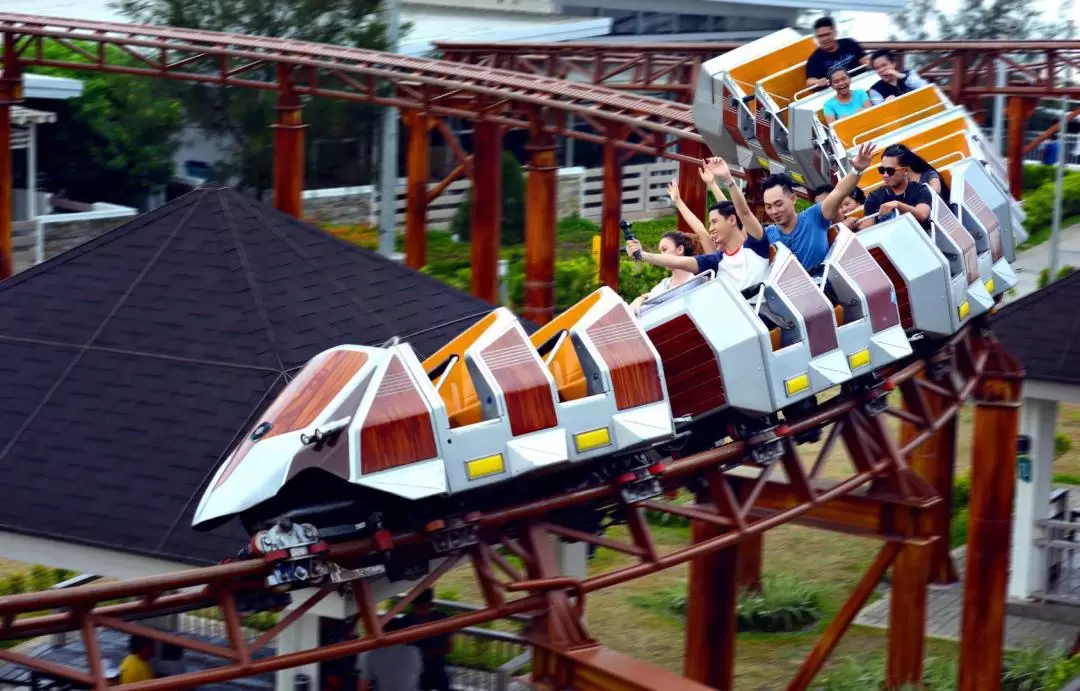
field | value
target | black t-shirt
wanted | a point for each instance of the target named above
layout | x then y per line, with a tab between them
847	55
914	194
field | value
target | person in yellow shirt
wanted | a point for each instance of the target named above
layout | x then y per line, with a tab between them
136	666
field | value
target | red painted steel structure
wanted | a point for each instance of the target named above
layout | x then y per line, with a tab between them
882	497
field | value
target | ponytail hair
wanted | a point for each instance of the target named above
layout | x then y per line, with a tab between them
690	244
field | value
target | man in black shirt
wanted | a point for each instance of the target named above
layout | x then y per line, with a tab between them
893	82
898	195
436	675
832	52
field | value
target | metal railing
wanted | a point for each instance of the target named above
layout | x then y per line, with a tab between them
1061	541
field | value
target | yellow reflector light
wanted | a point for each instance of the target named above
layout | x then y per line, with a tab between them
763	162
482	467
593	439
859	359
963	309
797	384
990	286
797	178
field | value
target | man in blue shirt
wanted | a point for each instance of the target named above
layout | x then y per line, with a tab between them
805	234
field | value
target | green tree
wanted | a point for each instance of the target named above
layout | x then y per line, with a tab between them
243	117
116	142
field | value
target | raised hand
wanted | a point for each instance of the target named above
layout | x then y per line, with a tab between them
862	158
706	174
632	247
719	168
673	191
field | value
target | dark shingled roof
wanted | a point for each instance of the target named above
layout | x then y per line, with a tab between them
130	364
1042	330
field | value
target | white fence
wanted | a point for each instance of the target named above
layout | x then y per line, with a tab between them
580	192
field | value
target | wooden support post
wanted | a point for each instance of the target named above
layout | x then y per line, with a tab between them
288	147
417	171
751	557
11	93
486	210
907	615
993	474
710	619
935	461
691	188
540	213
610	236
1019	111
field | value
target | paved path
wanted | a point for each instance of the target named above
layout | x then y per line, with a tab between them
944	610
1030	263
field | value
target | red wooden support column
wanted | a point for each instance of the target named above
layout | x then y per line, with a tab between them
907	615
417	171
935	461
691	188
540	213
710	608
611	239
11	93
993	474
1019	111
288	147
751	557
486	210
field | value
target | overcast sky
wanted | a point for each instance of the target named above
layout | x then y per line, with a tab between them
875	26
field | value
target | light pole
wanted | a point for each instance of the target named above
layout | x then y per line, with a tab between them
389	148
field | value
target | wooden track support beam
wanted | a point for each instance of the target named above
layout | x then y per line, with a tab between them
11	93
691	188
417	172
288	146
907	615
710	619
596	668
993	474
486	210
1019	111
934	461
540	217
610	235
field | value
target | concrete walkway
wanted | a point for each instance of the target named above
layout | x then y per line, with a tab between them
1030	263
944	610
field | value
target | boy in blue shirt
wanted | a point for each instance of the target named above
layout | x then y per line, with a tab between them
805	234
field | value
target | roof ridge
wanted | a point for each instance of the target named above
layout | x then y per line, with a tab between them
112	235
1039	294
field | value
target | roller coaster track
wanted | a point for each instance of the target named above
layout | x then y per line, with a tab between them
424	85
881	497
1036	68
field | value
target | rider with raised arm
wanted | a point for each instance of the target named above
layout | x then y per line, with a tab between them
730	259
806	234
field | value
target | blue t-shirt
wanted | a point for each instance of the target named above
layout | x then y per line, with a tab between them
808	241
859	99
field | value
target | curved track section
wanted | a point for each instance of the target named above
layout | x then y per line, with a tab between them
431	86
880	497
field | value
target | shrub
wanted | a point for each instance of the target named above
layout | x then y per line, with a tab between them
1063	672
1039	206
785	603
14	584
1044	275
958	528
961	493
1062	444
512	231
862	673
41	578
1028	669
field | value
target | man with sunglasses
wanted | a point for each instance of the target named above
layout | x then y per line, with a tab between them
898	195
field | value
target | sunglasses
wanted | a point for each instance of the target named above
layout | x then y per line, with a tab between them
883	170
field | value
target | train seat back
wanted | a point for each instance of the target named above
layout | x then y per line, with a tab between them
723	107
713	348
874	123
612	396
809	359
870	332
986	213
918	271
959	248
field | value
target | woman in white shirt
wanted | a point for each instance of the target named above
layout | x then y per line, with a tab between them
676	244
